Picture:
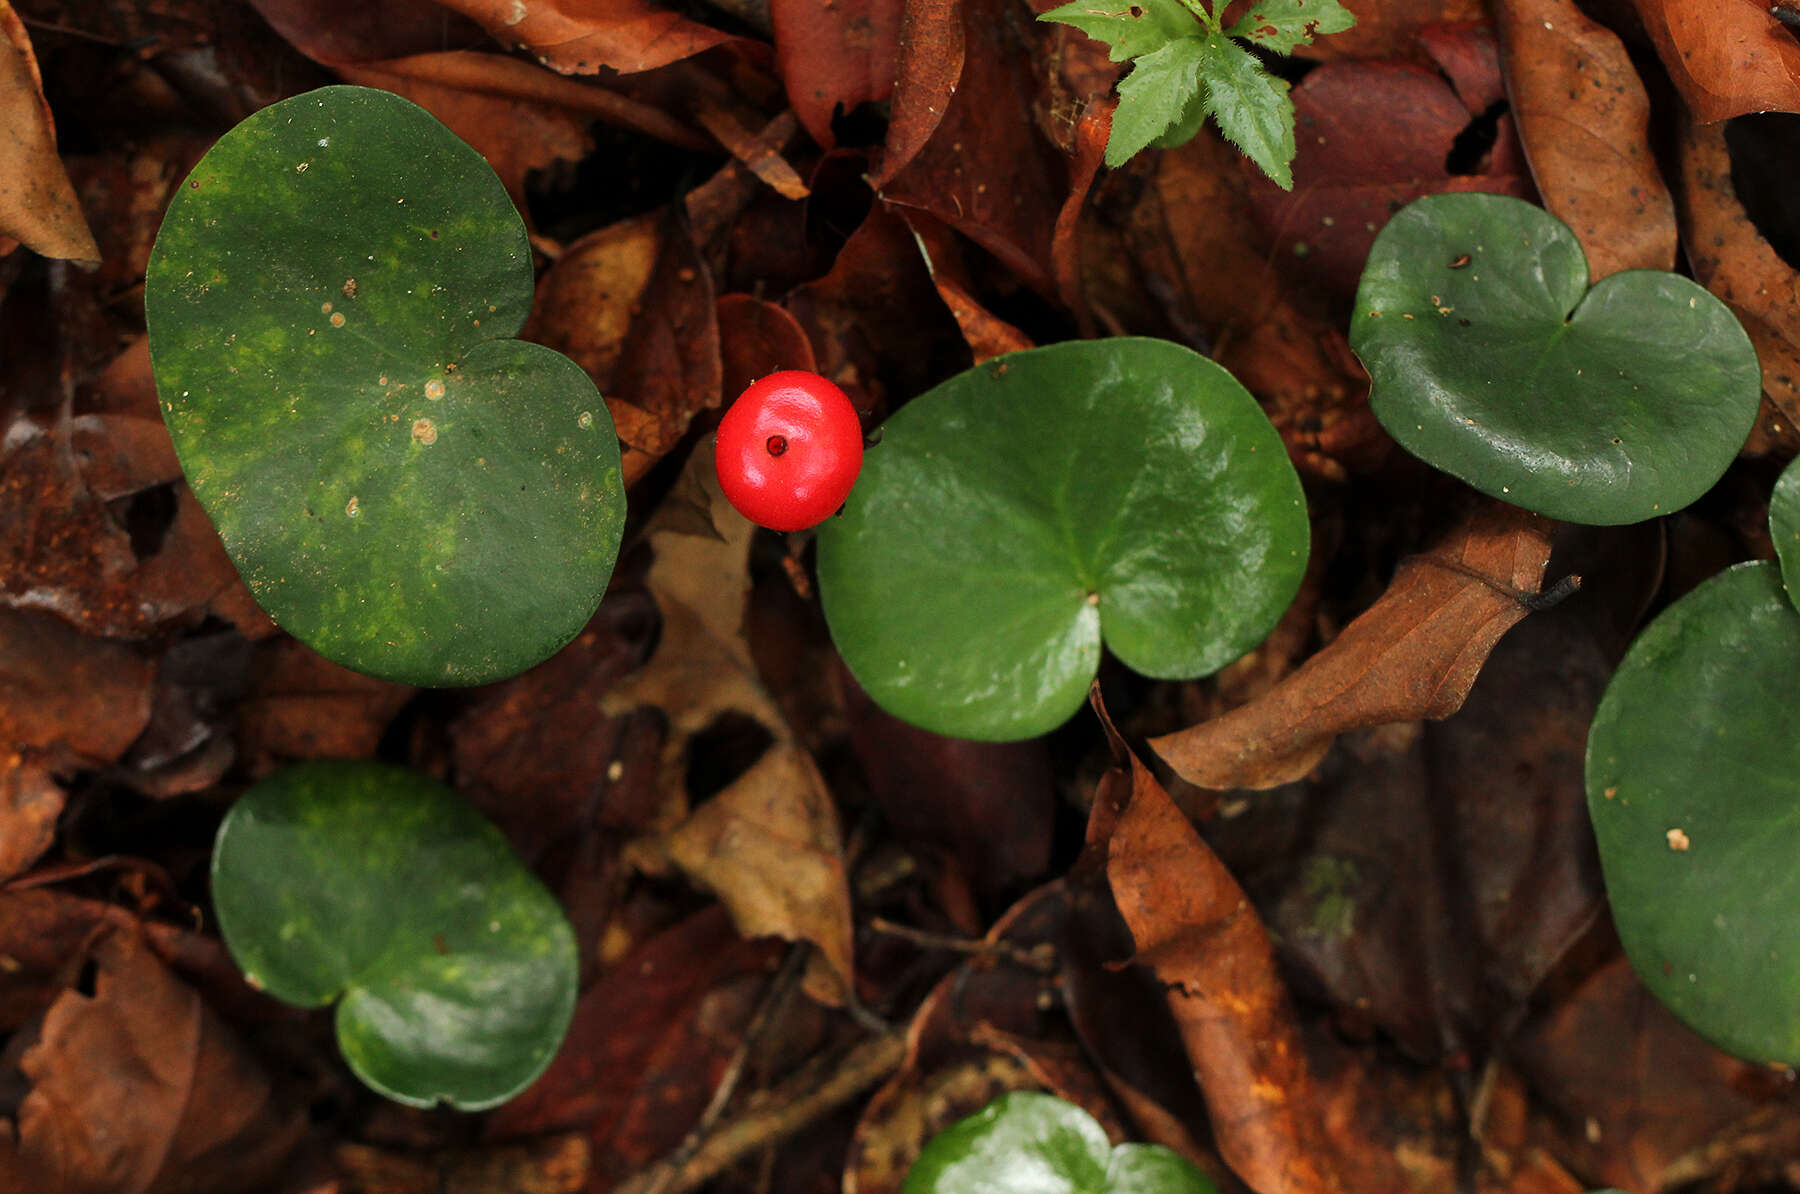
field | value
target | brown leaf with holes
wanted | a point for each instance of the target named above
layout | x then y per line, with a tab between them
140	1087
703	671
834	55
1726	59
1733	260
38	207
1584	118
1413	654
1194	927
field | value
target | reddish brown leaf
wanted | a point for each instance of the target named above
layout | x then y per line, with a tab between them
987	170
1390	29
303	706
30	802
1089	146
1413	654
1196	930
647	1046
63	692
1731	258
1584	118
929	65
37	203
1726	59
1373	137
834	55
580	37
341	32
760	151
757	338
140	1087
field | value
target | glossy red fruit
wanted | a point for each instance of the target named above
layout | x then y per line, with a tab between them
789	450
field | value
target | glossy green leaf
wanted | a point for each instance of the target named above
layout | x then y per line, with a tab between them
1014	516
1030	1143
1784	527
453	968
1693	782
1494	361
401	484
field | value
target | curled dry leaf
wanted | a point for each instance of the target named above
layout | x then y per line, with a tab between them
579	37
929	64
1584	118
1413	654
1195	928
768	843
757	338
140	1087
38	207
1731	259
1725	59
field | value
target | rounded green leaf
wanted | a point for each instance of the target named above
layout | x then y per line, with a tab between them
1784	526
402	485
1493	360
453	968
1031	1143
1010	519
1693	781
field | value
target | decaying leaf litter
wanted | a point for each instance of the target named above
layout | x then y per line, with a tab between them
812	935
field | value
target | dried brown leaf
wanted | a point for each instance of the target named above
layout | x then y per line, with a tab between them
834	55
38	207
987	334
1413	654
1195	928
580	37
1725	59
1584	118
929	65
140	1087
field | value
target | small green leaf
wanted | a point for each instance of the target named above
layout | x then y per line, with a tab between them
1132	28
1784	527
1281	26
408	489
454	969
1188	126
1015	515
1031	1143
1692	770
1253	109
1153	98
1492	360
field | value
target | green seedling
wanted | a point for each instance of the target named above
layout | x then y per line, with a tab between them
1187	65
404	486
1493	360
1030	1143
1127	492
452	968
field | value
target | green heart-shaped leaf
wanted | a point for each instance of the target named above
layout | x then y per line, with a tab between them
1030	1143
1693	781
1493	360
1014	516
454	969
402	486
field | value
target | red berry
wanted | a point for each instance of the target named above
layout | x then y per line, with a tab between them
789	449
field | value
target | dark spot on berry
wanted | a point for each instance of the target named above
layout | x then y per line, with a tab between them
776	445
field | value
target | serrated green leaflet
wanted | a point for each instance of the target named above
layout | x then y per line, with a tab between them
1014	516
1784	527
1030	1143
1153	96
1282	26
454	969
1253	109
402	485
1692	773
1132	30
1493	360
